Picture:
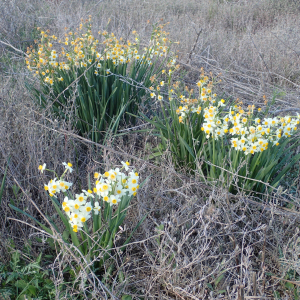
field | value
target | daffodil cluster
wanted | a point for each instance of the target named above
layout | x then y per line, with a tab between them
207	101
245	130
79	210
252	134
114	184
121	52
81	50
109	188
57	185
212	124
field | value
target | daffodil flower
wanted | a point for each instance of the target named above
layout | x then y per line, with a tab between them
96	208
125	165
88	193
42	168
68	166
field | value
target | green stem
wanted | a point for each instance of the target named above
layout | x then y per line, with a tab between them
256	162
214	159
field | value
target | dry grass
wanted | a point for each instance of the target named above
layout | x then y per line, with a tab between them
197	239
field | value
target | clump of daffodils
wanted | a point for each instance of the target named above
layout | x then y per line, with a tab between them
113	184
206	102
57	185
109	188
100	60
79	50
251	134
244	128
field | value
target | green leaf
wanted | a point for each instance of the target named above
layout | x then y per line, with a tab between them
289	285
21	284
57	206
34	219
219	279
187	146
296	295
32	290
3	181
24	297
277	295
66	235
12	276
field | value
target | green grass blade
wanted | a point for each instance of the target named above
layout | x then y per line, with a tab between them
3	181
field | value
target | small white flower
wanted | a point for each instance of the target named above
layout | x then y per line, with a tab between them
68	166
96	208
42	168
86	208
75	205
113	199
119	187
81	198
52	187
125	165
63	186
88	193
